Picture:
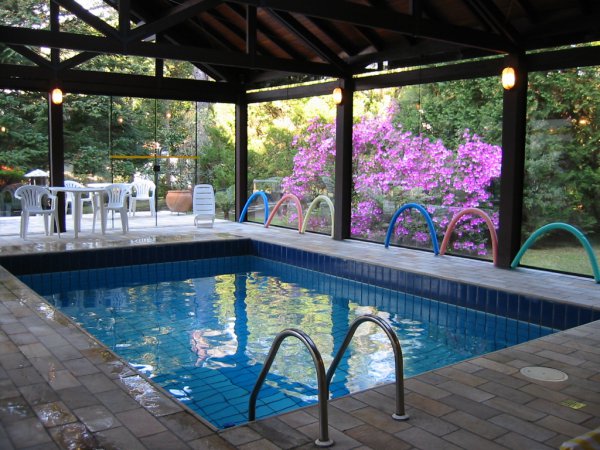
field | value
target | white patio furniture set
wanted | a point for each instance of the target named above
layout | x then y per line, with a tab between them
121	198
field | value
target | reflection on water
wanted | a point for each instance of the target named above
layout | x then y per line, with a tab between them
204	339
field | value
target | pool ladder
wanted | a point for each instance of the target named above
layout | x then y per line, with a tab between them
324	379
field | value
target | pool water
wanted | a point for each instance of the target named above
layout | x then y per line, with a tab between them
202	329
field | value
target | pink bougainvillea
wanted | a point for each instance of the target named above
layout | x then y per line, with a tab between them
392	167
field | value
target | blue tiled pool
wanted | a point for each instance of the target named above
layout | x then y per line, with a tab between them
202	328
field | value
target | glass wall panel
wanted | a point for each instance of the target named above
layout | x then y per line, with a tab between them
291	156
433	145
562	180
23	148
174	144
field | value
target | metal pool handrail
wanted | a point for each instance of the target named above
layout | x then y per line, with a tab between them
323	392
400	413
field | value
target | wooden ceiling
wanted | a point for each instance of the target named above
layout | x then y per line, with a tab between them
269	40
256	43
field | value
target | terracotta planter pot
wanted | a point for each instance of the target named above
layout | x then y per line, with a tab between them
179	201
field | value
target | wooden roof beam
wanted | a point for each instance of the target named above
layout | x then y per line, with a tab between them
333	34
95	44
92	20
529	10
490	15
32	56
269	34
342	11
74	61
124	17
296	27
174	16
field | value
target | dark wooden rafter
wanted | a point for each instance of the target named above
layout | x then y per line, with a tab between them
477	15
417	54
251	29
119	84
337	10
429	12
32	56
570	31
257	42
239	33
369	34
202	35
55	28
124	18
93	21
529	10
586	6
268	33
492	17
372	37
415	8
18	36
325	27
174	16
309	39
74	61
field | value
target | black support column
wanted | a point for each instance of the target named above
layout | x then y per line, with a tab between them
241	156
343	163
55	128
57	154
514	116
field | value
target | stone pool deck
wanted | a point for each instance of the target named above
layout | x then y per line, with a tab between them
59	388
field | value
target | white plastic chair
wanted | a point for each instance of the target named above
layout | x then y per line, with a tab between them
204	204
34	201
117	201
144	191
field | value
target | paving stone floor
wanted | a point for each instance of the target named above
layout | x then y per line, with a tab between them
59	388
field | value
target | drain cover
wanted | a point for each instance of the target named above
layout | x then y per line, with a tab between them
544	374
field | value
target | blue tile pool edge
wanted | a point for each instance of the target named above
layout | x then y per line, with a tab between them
527	308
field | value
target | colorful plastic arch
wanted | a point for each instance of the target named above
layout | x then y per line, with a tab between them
434	240
484	216
247	205
562	226
315	202
279	203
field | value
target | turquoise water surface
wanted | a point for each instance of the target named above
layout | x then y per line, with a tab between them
202	329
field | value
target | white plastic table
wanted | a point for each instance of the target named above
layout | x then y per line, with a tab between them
77	193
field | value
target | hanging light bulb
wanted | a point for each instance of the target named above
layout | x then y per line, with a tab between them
509	78
57	96
338	96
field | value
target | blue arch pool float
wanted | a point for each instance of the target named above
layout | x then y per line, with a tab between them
247	205
430	225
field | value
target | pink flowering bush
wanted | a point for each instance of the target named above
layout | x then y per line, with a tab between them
392	167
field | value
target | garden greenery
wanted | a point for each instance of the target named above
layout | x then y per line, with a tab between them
392	167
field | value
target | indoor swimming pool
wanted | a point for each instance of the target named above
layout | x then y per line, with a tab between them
201	329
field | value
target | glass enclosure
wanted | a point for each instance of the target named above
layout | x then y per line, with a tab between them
436	146
562	168
23	146
173	144
291	160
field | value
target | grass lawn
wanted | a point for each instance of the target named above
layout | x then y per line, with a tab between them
563	256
